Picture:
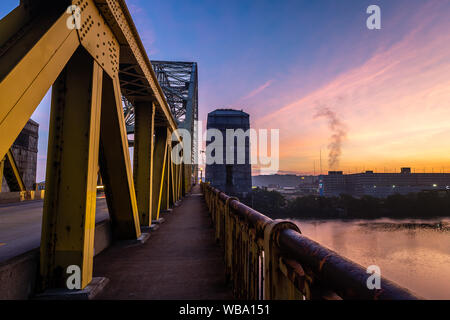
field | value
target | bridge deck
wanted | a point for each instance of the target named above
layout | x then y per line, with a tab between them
180	260
21	225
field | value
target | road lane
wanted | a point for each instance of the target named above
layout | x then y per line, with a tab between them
20	226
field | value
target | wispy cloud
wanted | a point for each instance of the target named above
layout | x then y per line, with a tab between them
258	90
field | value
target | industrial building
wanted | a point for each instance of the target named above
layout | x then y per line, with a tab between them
381	185
289	185
25	150
232	178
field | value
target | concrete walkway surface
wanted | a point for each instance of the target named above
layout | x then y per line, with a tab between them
180	260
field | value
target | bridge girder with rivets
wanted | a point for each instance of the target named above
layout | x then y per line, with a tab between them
39	50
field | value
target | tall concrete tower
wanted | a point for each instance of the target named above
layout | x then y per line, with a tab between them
25	150
232	178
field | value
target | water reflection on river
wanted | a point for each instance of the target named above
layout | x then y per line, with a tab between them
413	253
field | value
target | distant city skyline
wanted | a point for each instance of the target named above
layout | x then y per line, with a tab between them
364	169
280	60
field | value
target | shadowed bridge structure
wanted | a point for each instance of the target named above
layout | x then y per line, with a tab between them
166	236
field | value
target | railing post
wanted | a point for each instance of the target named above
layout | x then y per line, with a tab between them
277	285
253	253
271	260
228	240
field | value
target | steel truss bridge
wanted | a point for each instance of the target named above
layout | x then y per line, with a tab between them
90	69
179	83
104	88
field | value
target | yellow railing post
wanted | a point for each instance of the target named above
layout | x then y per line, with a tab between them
277	285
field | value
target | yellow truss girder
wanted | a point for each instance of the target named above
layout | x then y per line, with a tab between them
71	182
126	31
24	86
87	128
13	179
143	155
179	181
164	205
2	163
115	165
159	167
171	181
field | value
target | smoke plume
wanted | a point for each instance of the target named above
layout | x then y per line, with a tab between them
338	134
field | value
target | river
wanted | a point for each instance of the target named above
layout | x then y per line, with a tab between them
413	253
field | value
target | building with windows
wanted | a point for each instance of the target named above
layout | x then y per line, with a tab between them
381	185
233	177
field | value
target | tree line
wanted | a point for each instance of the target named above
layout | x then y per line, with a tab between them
426	204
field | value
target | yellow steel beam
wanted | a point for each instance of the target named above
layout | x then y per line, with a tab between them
13	177
143	155
27	70
97	37
186	178
175	181
69	205
159	166
183	176
171	177
179	188
2	162
36	44
165	183
16	20
123	26
115	166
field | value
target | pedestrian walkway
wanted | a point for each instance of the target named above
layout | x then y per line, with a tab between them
180	260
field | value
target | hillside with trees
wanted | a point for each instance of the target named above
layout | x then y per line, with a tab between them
422	205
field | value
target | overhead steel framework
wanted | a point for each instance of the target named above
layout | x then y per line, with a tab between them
179	83
128	114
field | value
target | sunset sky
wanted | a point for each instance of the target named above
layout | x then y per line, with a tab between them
281	61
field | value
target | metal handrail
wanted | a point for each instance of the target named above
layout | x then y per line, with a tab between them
271	259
